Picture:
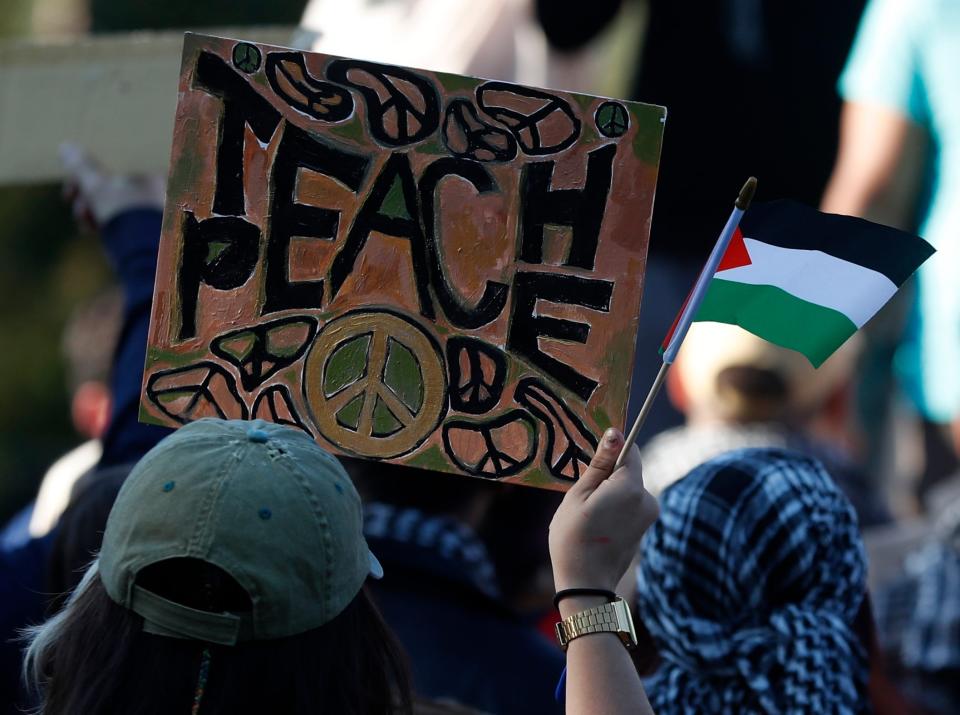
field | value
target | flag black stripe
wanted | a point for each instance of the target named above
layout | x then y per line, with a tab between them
787	224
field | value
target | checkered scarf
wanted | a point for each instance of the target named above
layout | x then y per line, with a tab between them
444	542
749	583
918	615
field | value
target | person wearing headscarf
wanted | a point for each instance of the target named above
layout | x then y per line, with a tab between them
918	614
738	391
750	584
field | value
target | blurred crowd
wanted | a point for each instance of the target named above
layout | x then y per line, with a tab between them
807	551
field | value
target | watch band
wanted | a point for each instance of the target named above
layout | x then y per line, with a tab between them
614	617
568	592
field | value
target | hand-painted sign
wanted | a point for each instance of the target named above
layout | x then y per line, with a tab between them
410	266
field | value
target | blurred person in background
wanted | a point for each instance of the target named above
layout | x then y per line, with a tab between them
899	162
749	90
88	342
916	574
738	391
918	617
443	593
752	585
126	212
487	39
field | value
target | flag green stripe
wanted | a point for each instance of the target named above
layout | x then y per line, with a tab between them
777	316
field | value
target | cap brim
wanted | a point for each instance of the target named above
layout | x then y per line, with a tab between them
376	569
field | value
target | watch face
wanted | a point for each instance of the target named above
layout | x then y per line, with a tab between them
628	631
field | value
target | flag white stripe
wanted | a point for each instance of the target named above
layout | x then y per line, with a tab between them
816	277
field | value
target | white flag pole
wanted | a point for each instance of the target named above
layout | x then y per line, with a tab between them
689	310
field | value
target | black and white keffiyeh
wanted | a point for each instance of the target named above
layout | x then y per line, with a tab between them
918	614
749	583
436	543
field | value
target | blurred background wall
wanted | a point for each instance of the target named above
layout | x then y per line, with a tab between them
48	267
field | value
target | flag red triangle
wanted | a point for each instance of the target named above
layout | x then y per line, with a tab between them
736	254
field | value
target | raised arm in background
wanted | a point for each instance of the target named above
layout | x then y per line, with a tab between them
878	167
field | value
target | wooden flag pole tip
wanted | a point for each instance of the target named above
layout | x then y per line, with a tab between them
746	194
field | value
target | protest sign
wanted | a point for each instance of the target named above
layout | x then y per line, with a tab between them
410	266
121	89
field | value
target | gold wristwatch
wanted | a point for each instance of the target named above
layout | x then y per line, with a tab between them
613	617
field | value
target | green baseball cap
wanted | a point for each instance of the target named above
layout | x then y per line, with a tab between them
264	503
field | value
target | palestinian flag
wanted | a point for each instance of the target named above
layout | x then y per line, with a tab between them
806	280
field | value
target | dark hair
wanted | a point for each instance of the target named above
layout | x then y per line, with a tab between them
79	532
94	658
753	394
404	486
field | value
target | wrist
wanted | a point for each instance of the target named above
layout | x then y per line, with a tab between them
574	604
580	579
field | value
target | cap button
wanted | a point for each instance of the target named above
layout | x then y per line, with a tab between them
257	435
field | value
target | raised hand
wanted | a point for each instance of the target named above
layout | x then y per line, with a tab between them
597	528
97	195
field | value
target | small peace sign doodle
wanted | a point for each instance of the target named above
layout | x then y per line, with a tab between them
466	135
570	445
261	351
496	448
478	372
542	123
612	119
375	383
246	57
288	77
275	404
203	389
411	110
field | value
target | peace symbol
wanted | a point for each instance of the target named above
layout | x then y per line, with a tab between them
612	119
375	384
466	135
246	57
507	104
373	81
504	453
478	372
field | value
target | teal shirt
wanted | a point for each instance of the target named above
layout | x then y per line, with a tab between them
906	57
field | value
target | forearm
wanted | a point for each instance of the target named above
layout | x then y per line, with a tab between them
878	169
131	240
601	677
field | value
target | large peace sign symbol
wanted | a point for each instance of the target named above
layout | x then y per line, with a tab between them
402	107
375	384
